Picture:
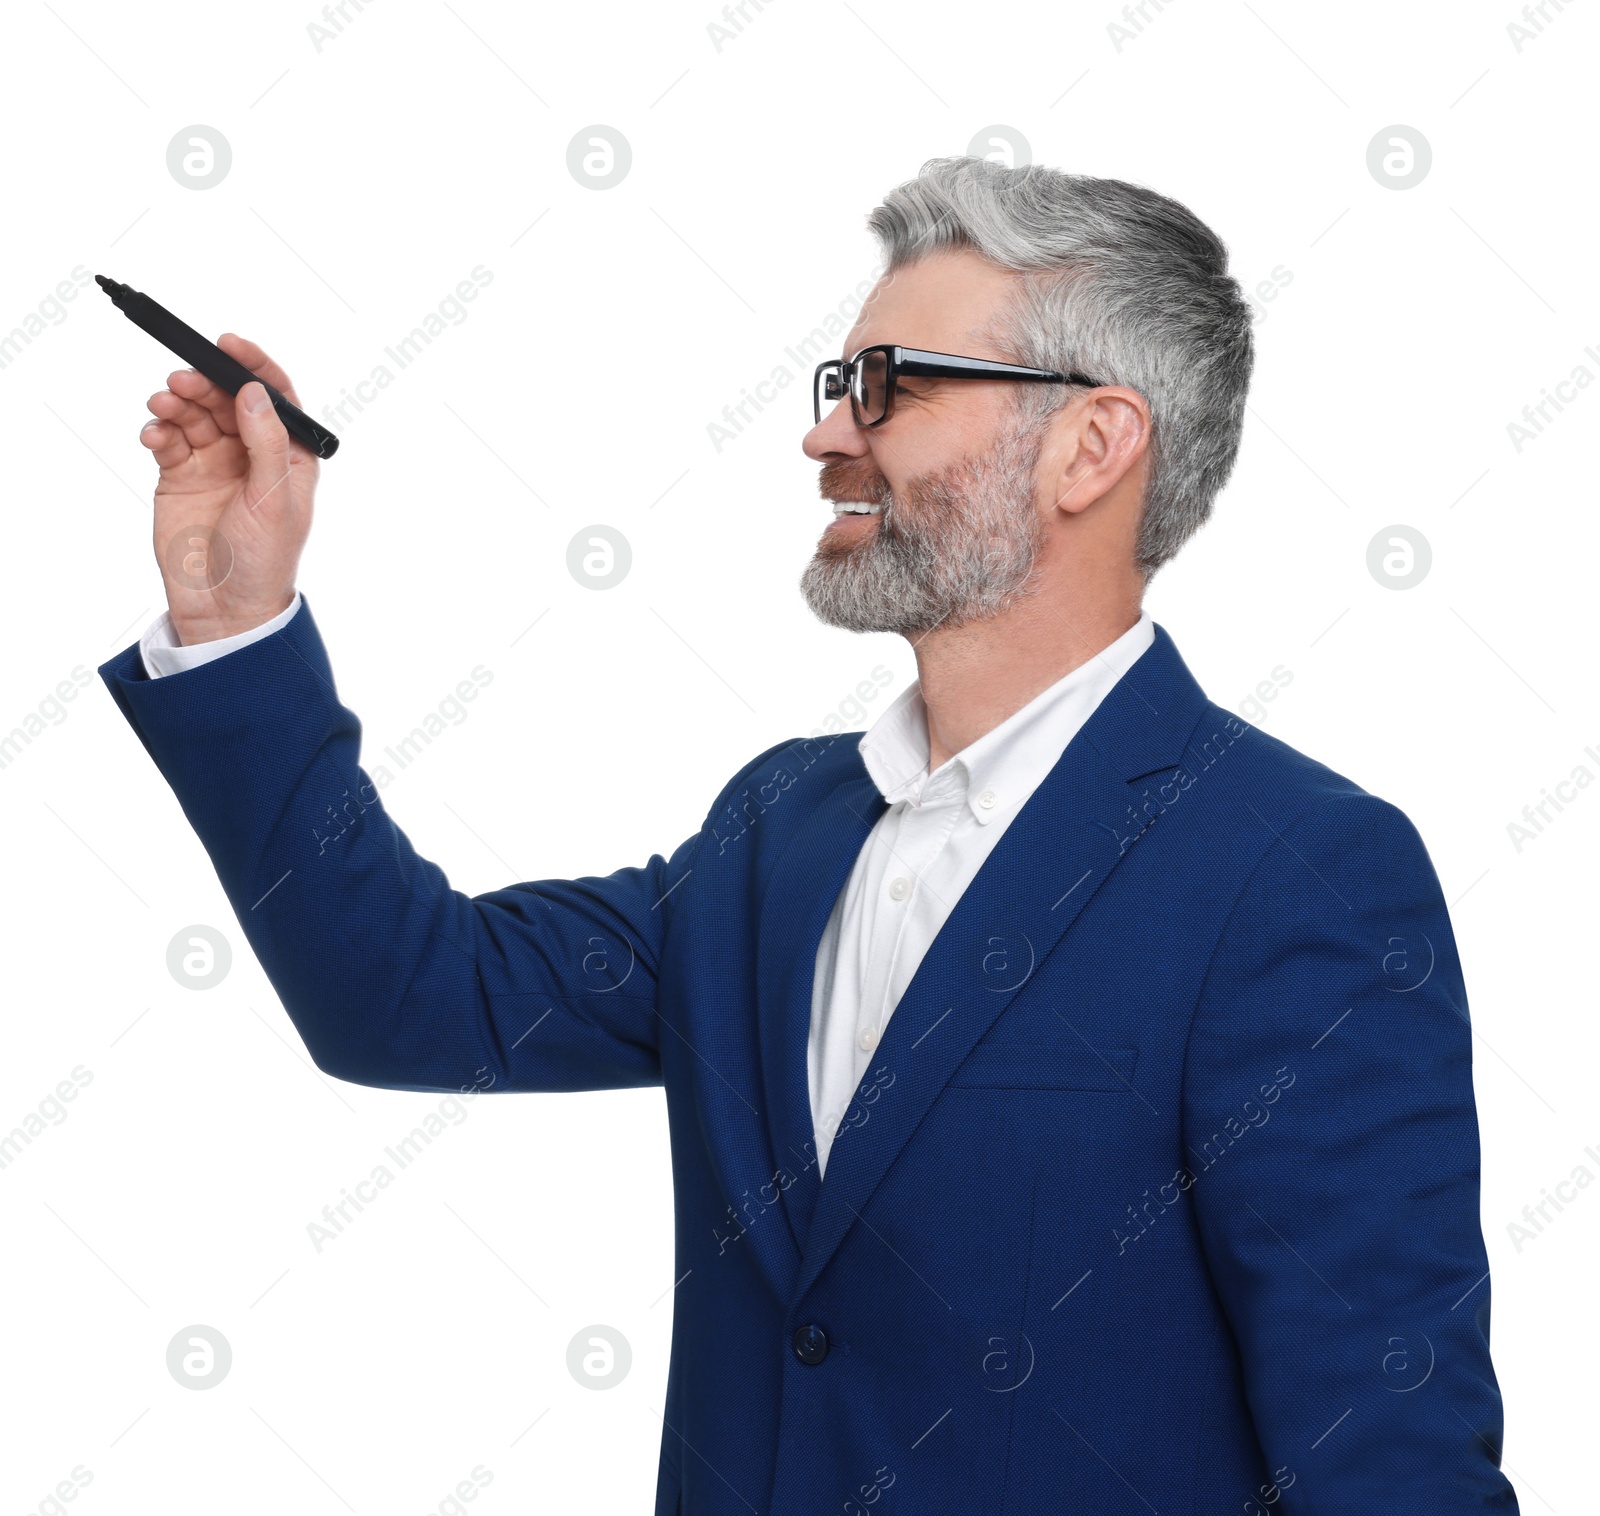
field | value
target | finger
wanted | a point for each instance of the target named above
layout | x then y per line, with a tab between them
216	402
197	423
190	385
167	442
254	358
267	441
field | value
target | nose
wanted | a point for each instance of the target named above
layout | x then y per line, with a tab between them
835	436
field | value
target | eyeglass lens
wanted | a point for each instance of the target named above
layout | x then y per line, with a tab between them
869	388
870	383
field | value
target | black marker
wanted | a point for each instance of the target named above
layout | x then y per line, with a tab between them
211	361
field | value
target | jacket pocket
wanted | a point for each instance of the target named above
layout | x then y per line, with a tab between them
1047	1066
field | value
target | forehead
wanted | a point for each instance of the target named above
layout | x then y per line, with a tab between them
941	302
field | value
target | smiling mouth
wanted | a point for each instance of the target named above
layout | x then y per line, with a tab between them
855	508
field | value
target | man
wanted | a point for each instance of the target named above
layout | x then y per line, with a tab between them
1132	1043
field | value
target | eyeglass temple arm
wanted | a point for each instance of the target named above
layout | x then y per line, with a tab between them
980	368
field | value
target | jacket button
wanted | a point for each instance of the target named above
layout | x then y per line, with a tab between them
810	1344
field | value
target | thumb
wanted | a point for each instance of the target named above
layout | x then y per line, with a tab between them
266	441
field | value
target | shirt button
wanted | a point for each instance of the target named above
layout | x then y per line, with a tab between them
900	889
987	800
869	1039
810	1344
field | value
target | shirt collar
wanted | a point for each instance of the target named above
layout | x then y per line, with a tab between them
995	775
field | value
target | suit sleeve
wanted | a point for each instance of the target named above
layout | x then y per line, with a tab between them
1333	1140
393	978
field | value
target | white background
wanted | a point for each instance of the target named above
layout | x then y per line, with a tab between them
372	173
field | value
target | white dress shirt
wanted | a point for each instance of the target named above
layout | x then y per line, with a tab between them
923	853
918	859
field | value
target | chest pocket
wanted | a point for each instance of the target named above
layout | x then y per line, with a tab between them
1047	1066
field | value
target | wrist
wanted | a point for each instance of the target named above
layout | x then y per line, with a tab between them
192	630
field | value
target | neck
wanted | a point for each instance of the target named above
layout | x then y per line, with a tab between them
973	677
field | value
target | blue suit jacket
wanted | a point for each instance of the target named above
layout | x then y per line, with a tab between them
1162	1194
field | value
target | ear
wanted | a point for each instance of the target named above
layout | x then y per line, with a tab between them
1096	442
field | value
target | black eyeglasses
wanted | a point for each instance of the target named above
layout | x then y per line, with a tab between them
870	377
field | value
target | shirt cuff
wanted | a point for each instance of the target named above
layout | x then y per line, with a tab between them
164	654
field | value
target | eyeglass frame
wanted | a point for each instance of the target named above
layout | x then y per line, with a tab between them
916	363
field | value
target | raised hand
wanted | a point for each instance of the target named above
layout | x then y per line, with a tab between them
233	503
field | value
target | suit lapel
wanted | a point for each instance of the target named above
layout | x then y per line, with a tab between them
1067	840
794	914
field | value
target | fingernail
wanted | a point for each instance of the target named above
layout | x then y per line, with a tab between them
255	398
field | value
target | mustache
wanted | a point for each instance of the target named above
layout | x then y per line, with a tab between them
837	482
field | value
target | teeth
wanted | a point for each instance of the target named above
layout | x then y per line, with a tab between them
854	508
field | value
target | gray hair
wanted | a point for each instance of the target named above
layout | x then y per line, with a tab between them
1120	283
